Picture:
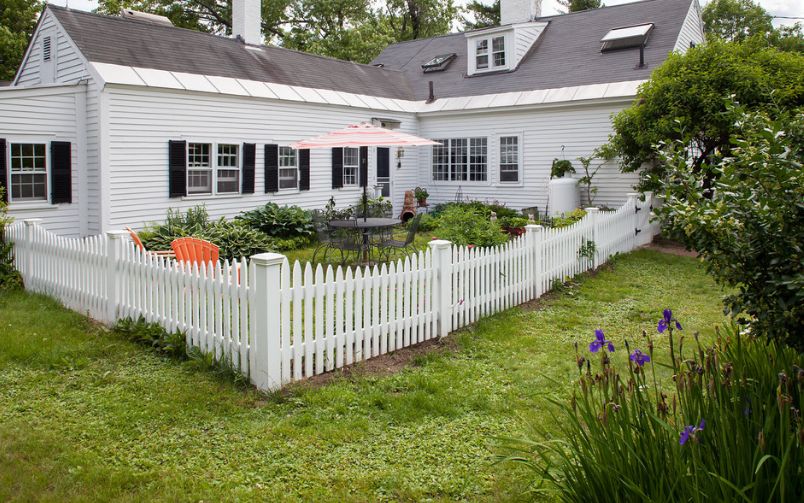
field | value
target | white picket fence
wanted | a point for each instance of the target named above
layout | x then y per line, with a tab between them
277	322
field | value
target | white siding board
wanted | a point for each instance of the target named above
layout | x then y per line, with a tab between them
691	29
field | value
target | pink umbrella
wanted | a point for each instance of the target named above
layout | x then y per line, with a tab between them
363	135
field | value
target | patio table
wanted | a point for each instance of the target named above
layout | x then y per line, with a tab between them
366	226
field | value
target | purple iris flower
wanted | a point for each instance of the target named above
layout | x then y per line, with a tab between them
667	321
639	357
690	431
599	342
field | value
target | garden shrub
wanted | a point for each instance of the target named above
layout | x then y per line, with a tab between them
9	276
570	218
153	336
480	207
427	223
233	238
282	222
731	431
465	226
749	231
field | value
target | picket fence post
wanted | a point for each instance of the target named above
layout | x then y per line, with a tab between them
632	202
114	252
533	242
594	220
442	263
30	228
266	374
647	226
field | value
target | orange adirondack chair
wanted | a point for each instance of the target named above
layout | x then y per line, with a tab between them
195	251
137	241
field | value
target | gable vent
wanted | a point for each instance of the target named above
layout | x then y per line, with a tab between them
46	50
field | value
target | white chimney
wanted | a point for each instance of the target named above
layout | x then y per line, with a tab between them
519	11
247	21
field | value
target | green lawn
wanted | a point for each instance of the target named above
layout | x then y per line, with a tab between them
85	415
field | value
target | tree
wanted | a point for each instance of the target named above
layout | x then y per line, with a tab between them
578	5
750	233
17	23
735	20
685	101
413	19
482	15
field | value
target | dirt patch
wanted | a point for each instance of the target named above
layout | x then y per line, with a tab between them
671	247
387	364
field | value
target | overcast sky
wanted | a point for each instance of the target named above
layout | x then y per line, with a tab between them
790	8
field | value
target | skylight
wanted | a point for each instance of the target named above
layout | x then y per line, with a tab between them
629	36
438	63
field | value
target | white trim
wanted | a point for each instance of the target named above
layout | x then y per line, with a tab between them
213	168
30	140
519	135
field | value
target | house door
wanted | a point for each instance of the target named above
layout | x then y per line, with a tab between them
384	170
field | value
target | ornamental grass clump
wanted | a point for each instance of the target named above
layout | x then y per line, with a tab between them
724	426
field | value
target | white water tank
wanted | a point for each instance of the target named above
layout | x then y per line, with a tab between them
564	195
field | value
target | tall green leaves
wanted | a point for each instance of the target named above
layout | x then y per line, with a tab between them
17	21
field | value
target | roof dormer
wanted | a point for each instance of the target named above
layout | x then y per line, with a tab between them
501	48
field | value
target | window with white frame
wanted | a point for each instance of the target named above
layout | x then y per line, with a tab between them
28	172
199	168
482	54
288	168
228	170
498	51
351	166
490	53
461	159
509	159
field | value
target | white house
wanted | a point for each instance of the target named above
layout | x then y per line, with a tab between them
110	121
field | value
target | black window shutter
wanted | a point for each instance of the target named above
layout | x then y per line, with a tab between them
249	155
363	166
337	168
177	163
61	169
304	169
271	168
3	169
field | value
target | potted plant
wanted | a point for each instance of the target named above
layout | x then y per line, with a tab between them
514	226
560	168
421	195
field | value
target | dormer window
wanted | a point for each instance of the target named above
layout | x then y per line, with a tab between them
490	53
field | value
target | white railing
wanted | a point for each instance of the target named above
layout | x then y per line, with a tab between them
276	322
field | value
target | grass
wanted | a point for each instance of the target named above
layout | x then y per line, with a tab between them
85	415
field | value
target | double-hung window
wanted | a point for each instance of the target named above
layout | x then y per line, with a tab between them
498	51
490	53
351	166
509	159
461	159
288	168
199	168
482	54
28	172
228	169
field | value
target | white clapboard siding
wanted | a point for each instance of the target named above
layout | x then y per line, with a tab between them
318	319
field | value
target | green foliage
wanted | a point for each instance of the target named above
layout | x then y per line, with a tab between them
280	221
421	194
153	336
480	207
566	220
234	238
731	431
560	167
603	155
685	101
17	22
579	5
509	222
749	231
427	223
587	252
9	277
465	226
735	20
481	15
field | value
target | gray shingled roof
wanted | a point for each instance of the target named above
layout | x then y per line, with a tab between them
567	53
119	41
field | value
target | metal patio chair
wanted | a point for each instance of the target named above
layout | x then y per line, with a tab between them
391	246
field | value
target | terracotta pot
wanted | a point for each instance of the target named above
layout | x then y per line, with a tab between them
422	203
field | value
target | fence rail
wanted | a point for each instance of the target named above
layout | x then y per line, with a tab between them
278	322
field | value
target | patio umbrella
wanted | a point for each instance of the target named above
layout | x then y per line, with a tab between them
363	135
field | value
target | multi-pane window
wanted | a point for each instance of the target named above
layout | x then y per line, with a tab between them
288	168
441	161
498	51
199	168
509	158
482	54
351	163
28	172
228	168
461	159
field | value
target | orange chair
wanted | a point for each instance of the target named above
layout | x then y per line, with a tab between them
194	250
137	241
